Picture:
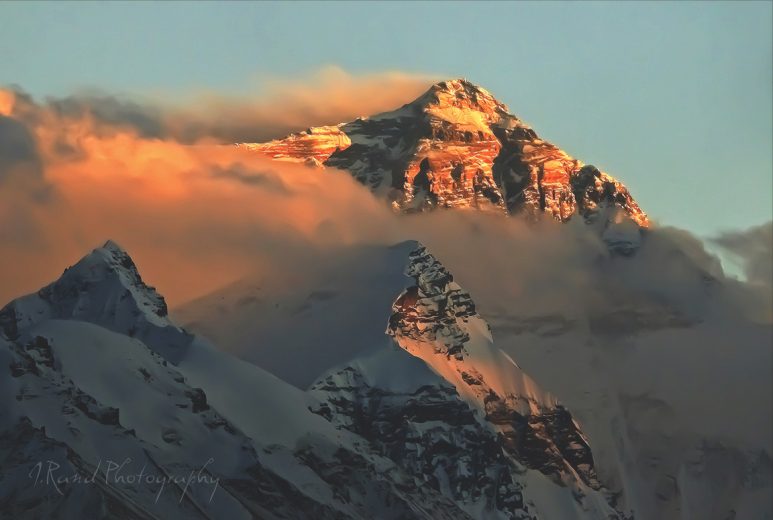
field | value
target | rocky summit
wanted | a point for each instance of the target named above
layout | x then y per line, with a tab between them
456	146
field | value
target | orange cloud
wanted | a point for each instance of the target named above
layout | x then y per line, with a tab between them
7	99
188	222
278	107
194	216
281	105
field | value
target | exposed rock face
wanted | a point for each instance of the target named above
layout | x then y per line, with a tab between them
456	146
593	189
430	432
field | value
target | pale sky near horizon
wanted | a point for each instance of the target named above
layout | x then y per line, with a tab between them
674	99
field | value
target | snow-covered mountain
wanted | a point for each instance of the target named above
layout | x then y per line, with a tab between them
109	410
103	288
467	419
667	380
456	146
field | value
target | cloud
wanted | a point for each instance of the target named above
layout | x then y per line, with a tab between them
146	120
284	105
148	172
279	106
242	174
194	217
18	149
753	249
21	165
155	177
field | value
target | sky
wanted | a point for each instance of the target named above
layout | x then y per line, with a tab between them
674	99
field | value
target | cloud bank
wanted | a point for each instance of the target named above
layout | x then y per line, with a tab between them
278	107
161	179
196	213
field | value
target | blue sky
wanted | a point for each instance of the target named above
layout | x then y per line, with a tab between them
672	98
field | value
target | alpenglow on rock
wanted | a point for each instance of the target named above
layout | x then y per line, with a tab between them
456	146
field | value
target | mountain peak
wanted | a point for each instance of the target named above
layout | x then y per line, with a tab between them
113	246
458	147
105	288
436	320
461	86
457	85
112	261
463	95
